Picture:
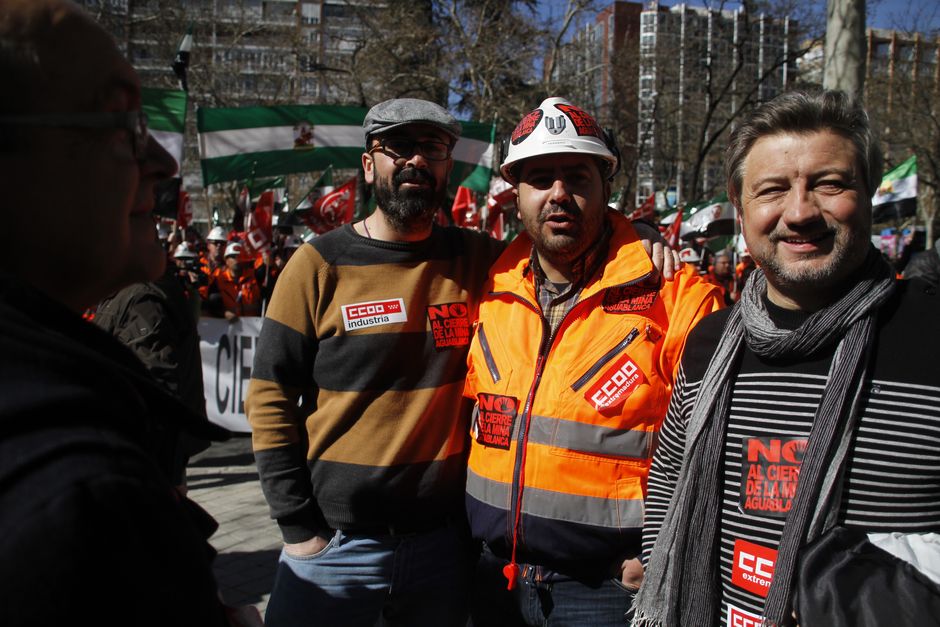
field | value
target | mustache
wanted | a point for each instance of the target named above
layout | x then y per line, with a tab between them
414	175
809	234
568	207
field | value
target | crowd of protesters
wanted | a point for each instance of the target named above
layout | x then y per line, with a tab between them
221	274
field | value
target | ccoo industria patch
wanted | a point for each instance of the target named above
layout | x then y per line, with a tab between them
495	420
629	298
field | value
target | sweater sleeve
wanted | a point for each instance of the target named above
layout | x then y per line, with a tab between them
280	378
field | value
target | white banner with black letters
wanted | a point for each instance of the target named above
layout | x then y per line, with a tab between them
228	350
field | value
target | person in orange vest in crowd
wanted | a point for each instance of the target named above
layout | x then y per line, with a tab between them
721	273
216	241
577	344
743	270
211	260
234	291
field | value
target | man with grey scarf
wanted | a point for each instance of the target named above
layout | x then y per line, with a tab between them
810	410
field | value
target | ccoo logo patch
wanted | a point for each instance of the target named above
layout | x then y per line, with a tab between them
616	384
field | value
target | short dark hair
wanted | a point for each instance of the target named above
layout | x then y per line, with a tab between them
801	112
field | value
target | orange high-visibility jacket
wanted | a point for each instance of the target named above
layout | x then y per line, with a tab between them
564	426
242	295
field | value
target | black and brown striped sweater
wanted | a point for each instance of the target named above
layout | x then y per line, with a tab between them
355	399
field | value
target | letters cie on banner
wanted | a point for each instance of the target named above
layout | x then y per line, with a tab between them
228	351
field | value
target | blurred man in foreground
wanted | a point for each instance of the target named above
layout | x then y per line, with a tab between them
90	525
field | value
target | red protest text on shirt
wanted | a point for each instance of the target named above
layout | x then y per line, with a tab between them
450	324
770	472
495	419
753	567
629	298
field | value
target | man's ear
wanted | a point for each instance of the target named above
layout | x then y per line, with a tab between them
368	168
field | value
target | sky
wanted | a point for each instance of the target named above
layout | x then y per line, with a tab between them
907	15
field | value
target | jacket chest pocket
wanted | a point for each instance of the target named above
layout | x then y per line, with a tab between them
618	391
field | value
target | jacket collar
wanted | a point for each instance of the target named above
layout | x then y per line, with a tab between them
626	262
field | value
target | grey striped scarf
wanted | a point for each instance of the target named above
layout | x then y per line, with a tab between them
681	586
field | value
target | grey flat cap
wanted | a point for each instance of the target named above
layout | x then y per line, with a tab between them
401	111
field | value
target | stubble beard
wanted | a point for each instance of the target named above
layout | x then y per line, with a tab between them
848	253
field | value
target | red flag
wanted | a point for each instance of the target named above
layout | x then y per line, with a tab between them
498	203
184	215
258	224
671	234
465	210
333	209
646	211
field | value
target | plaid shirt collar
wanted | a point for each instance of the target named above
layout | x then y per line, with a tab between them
557	300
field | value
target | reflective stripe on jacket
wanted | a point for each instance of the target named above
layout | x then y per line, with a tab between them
565	426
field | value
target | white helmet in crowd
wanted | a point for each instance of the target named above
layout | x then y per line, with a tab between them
559	127
183	251
217	234
233	249
293	241
689	255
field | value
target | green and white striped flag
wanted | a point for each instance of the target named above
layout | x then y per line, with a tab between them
166	115
897	184
270	141
473	157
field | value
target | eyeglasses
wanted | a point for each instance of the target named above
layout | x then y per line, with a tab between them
404	148
134	122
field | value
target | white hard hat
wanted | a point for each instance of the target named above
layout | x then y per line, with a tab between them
233	248
558	127
293	241
689	255
217	234
183	251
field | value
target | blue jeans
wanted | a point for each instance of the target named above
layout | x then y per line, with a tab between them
411	580
559	602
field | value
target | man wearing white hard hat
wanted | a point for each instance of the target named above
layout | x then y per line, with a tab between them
234	292
370	324
576	348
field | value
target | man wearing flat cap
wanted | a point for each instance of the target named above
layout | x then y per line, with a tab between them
359	426
358	420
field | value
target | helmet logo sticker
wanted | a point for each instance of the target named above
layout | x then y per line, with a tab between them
584	124
555	125
528	124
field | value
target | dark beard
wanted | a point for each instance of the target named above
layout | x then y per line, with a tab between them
412	209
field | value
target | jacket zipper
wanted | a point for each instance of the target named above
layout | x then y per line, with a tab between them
607	357
511	570
488	354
